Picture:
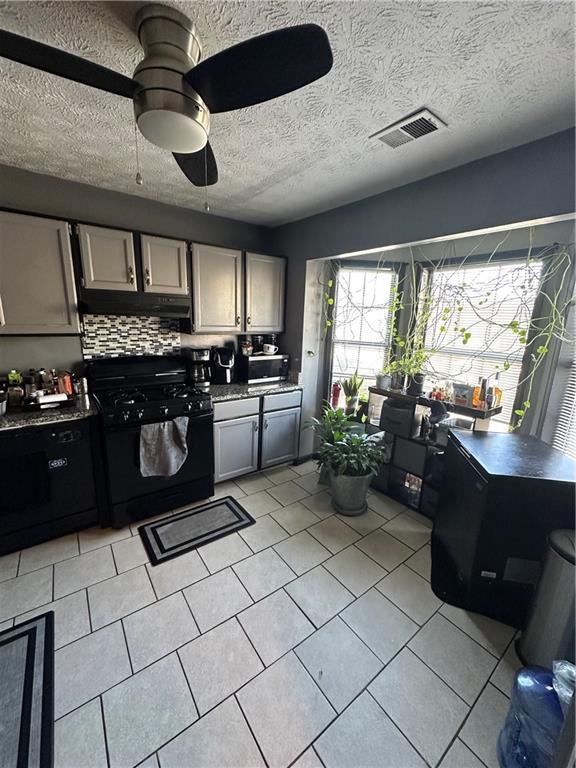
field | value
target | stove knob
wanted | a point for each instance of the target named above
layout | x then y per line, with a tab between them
140	414
164	410
189	406
125	415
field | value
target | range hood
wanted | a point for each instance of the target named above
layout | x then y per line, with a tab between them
93	302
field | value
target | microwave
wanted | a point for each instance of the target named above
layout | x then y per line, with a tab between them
258	369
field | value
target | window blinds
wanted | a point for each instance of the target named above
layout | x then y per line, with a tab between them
491	296
362	322
565	430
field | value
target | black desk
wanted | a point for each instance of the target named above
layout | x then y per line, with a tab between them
501	497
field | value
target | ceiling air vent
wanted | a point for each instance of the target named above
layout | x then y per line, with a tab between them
410	128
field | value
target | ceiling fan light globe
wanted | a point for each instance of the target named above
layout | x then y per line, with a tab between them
172	130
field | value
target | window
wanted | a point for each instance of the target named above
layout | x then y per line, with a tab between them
362	321
564	395
565	432
491	296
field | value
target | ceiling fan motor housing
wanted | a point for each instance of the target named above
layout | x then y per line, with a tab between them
169	113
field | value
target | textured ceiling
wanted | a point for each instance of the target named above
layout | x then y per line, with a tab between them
498	73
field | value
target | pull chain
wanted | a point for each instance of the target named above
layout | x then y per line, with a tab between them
139	179
206	203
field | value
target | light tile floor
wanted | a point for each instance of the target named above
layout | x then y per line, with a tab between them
308	640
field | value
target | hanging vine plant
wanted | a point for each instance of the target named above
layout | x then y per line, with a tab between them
509	312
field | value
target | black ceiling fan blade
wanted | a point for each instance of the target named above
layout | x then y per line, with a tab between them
56	62
199	167
262	68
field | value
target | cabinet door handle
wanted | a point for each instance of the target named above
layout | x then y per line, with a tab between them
265	423
148	277
2	316
131	274
248	320
255	426
237	319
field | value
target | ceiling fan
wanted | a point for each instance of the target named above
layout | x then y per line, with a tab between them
174	93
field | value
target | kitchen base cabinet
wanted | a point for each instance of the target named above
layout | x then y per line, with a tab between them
281	430
235	447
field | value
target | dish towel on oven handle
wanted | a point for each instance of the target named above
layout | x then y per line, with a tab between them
163	447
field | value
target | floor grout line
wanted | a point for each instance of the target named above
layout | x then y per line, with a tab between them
250	728
282	587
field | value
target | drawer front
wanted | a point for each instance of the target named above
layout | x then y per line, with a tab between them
284	400
234	409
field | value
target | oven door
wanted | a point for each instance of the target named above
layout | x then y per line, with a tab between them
122	445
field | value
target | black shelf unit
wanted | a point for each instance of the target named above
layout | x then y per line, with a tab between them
410	455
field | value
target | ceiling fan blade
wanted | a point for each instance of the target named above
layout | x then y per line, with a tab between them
56	62
262	68
199	167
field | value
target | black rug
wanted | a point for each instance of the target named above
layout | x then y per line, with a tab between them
176	535
27	693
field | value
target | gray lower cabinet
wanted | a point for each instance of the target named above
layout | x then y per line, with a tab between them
164	265
280	436
235	447
37	294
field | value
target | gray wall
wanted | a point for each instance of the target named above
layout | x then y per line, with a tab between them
36	193
528	182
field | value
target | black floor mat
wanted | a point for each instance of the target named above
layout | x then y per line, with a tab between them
187	530
27	693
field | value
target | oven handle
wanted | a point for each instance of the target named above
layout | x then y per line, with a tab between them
137	424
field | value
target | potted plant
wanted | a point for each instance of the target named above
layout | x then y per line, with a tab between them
352	462
383	379
351	389
331	428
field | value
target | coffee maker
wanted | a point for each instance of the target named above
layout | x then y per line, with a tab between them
199	366
222	365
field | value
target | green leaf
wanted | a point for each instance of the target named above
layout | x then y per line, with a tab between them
526	403
330	283
330	302
519	412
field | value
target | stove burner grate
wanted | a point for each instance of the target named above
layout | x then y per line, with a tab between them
129	397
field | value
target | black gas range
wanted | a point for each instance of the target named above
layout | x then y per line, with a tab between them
130	392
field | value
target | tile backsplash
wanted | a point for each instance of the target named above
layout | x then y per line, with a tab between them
116	335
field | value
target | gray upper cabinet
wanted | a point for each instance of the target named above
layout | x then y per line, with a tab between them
217	289
37	294
265	276
164	265
107	259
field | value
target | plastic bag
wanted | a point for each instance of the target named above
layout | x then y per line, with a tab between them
564	681
534	721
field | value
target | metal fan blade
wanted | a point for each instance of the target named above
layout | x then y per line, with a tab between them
262	68
199	167
56	62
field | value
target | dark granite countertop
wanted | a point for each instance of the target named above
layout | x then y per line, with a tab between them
515	455
81	409
221	392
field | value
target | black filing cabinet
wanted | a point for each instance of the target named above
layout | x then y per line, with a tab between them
501	496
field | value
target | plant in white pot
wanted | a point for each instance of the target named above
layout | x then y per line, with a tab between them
352	463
